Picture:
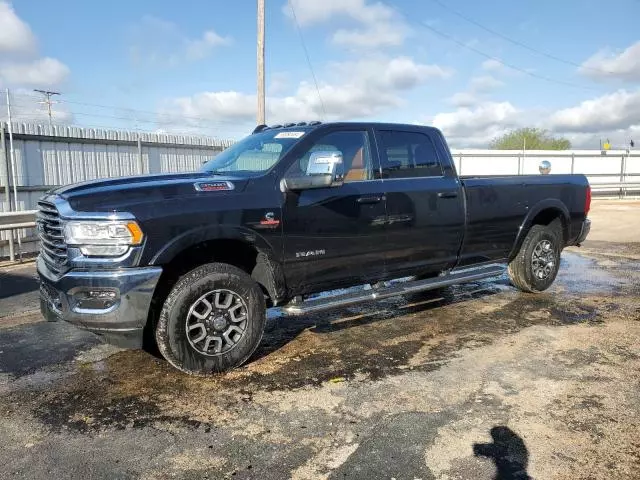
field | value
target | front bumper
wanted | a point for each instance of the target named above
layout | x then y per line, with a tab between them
120	315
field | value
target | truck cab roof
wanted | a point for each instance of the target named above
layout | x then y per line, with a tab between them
316	125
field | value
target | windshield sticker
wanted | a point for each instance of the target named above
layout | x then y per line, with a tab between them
289	135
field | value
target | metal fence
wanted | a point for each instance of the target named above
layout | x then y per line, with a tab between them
45	157
610	173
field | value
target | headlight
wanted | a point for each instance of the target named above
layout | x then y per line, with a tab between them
107	238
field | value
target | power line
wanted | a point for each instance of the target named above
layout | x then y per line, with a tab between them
515	42
306	54
488	56
26	111
134	110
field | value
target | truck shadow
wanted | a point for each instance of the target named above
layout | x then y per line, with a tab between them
281	329
12	283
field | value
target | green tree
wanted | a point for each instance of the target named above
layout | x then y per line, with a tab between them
532	138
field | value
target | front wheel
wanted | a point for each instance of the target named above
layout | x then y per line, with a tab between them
536	265
212	320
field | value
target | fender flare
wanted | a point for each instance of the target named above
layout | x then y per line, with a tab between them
268	272
547	204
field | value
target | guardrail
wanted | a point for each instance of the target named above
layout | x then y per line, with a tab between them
16	221
615	186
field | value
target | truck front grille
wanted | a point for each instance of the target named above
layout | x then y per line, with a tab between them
52	246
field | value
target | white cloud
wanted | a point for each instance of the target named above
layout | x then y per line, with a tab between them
397	73
312	11
623	65
43	72
228	105
19	65
156	41
611	112
278	83
373	36
476	91
464	99
615	116
492	65
378	25
619	139
15	34
360	89
471	127
202	47
485	83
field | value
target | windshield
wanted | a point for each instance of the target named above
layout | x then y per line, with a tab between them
254	154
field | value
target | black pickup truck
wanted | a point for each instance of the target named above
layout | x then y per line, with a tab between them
196	259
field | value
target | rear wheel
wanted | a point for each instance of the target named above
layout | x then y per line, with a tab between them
212	320
536	265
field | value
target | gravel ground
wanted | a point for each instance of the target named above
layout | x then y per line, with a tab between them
476	382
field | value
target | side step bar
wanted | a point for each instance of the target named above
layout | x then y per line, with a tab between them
399	288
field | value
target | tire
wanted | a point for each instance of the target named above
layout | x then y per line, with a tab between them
536	265
221	303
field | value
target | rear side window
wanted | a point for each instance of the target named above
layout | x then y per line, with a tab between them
408	155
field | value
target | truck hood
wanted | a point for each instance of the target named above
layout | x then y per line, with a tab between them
118	194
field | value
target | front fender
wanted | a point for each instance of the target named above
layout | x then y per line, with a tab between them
207	233
267	272
548	204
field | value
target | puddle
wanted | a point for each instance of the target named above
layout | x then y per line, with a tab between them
422	332
583	274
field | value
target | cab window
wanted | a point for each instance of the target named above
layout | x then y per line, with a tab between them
408	155
354	147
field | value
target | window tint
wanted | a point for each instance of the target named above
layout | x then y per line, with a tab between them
254	154
356	155
408	154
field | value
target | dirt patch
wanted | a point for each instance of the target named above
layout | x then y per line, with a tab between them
408	387
134	389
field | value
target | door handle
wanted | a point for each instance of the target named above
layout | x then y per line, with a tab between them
448	195
371	199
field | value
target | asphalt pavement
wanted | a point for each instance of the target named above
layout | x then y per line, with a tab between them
473	382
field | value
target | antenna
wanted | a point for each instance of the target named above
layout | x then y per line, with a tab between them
261	101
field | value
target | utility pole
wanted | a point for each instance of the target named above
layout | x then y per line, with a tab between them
13	167
48	94
261	107
7	185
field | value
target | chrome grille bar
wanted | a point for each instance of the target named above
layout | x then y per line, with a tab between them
52	246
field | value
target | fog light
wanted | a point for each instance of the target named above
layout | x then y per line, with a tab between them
95	299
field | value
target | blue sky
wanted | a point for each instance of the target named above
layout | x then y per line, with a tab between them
190	67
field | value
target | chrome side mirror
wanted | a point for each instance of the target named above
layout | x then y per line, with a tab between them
545	167
325	169
327	162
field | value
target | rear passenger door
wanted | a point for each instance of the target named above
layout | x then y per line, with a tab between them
425	208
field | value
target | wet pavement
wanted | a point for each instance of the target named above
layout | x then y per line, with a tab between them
476	381
18	292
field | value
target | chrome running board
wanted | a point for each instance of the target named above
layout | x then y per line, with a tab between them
392	290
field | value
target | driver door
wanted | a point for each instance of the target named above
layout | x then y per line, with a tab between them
335	236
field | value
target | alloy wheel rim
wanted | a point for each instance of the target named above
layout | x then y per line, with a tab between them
543	260
216	322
